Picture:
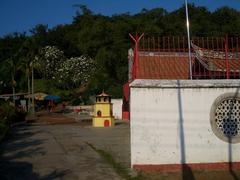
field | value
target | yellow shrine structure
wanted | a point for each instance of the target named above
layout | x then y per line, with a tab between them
103	114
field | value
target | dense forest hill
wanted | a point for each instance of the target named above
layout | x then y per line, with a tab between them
90	54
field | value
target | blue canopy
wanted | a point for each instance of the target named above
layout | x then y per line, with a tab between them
52	97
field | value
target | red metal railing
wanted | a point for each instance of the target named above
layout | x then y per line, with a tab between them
157	57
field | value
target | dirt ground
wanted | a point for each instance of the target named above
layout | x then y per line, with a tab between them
44	117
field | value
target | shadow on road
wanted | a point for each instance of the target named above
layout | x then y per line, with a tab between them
17	145
10	170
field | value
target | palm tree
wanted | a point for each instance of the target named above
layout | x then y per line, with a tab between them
29	50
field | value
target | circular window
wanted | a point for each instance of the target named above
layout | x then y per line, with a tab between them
225	117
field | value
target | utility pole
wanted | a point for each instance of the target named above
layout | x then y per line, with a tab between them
189	41
29	88
33	104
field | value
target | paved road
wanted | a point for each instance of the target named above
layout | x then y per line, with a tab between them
60	152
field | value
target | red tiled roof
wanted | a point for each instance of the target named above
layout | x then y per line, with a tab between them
220	64
216	60
172	65
165	66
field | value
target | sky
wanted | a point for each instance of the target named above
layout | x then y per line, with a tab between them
23	15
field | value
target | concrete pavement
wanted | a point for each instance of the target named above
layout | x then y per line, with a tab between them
61	152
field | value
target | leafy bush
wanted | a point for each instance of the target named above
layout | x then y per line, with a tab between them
8	116
8	113
76	101
48	87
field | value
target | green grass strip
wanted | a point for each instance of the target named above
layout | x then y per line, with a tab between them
118	167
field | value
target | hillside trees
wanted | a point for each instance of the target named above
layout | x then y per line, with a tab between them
10	53
226	20
103	42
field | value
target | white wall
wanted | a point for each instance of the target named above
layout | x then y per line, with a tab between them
117	108
159	108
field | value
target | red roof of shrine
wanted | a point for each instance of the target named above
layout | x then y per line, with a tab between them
164	66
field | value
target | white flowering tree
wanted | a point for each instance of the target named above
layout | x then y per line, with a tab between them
49	60
66	73
74	72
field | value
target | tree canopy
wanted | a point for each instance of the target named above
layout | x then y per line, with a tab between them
101	41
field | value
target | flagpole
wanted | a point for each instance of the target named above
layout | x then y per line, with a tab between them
189	41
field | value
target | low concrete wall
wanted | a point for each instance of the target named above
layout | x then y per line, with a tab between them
117	108
88	109
170	122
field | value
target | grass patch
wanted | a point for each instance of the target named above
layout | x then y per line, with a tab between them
9	115
118	167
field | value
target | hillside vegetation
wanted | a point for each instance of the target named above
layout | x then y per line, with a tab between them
90	54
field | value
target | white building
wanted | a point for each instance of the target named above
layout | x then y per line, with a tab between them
177	122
